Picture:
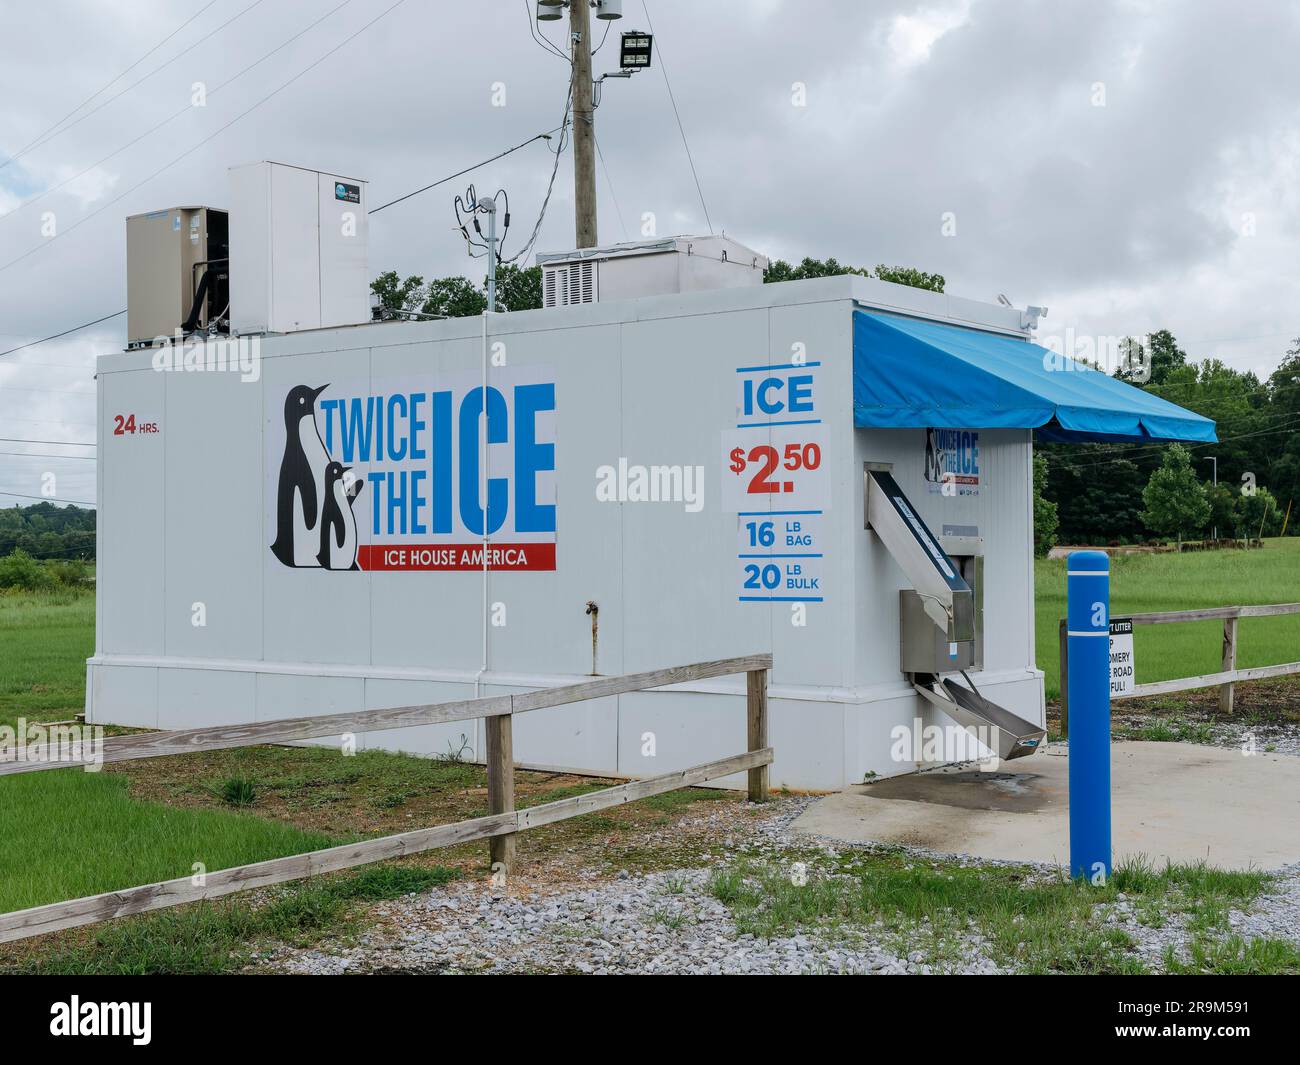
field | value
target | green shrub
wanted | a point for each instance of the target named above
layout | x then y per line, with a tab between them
306	908
19	570
70	572
238	791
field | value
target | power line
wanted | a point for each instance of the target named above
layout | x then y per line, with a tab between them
610	182
1118	453
176	114
42	138
74	329
1121	454
61	443
47	499
6	387
43	365
1190	447
48	421
680	128
550	186
461	173
47	455
212	136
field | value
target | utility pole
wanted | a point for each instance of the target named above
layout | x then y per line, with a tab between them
634	54
584	125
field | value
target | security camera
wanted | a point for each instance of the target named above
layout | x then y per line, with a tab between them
1030	315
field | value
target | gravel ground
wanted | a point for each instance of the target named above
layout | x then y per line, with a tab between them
661	922
658	923
570	919
1275	914
1260	738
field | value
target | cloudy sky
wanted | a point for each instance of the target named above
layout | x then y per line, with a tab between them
1131	165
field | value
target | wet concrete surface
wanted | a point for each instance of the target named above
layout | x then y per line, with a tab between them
1170	802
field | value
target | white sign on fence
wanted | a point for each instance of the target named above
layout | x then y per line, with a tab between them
1121	657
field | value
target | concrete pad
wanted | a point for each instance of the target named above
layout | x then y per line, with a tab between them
1179	802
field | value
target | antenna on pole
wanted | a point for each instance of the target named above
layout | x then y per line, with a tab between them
468	209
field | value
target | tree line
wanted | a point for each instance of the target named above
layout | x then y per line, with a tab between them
1128	493
47	531
520	288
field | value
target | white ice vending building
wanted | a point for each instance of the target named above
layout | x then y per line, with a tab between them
702	466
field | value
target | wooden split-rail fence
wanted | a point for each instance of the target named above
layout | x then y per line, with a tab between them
501	825
1223	680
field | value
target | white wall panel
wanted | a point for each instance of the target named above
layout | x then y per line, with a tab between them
212	494
195	698
132	536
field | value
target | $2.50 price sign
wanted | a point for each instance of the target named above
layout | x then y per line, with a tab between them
769	466
782	472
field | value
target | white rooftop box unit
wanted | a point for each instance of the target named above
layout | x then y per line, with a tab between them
298	256
656	267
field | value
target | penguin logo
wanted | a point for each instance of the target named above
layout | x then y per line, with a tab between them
300	494
338	527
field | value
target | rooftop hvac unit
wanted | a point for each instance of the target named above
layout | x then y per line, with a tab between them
177	273
298	249
565	284
647	268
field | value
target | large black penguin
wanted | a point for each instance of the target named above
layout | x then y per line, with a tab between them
338	527
301	489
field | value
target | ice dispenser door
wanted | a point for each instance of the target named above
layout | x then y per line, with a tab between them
946	596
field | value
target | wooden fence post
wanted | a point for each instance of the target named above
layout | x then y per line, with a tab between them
501	786
1064	672
756	719
1229	663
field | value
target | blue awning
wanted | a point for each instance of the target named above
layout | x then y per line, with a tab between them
915	374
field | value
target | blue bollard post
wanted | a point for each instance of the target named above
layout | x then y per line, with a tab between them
1088	647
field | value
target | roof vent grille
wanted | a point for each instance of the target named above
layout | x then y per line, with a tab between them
568	284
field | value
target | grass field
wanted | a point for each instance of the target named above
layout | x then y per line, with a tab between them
45	639
69	833
1145	583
